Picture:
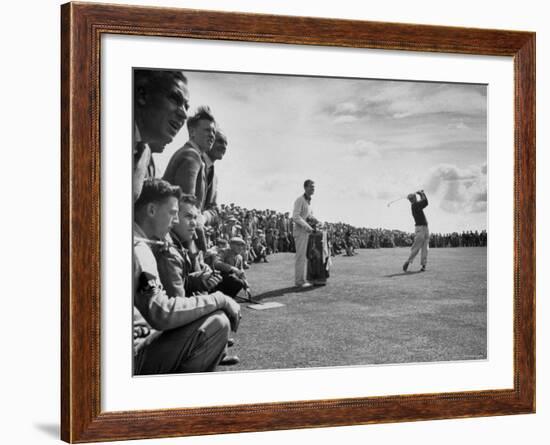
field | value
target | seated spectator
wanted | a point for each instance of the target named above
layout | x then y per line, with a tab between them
350	250
173	331
247	252
212	253
231	230
259	248
231	264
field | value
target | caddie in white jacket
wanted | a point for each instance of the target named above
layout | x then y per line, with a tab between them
302	211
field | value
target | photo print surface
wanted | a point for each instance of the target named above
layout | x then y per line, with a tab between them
286	222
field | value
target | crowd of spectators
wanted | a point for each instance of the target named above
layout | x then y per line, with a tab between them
267	231
456	239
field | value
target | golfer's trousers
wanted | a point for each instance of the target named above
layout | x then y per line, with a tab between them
300	268
421	242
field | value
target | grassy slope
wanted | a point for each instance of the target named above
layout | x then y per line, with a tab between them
370	312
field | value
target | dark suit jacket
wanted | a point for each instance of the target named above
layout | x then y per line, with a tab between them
210	210
186	168
141	170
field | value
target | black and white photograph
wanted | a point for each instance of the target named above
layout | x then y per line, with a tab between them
268	222
285	222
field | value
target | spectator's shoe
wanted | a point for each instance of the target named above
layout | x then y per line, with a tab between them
265	260
230	342
405	266
423	269
246	266
230	360
247	296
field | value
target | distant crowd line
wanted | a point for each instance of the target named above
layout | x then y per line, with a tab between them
267	231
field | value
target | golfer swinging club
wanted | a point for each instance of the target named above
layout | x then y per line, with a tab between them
421	232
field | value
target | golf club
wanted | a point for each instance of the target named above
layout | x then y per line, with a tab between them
395	200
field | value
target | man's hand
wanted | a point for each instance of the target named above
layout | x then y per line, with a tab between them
201	221
233	311
211	279
238	272
141	331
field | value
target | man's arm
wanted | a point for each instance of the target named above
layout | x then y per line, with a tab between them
164	312
225	267
171	273
423	198
202	278
210	212
183	170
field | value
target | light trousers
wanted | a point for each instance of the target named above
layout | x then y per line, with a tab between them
300	267
421	243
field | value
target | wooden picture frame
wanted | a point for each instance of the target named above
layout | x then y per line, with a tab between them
82	26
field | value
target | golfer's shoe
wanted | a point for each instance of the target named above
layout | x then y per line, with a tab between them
423	269
304	285
229	360
405	266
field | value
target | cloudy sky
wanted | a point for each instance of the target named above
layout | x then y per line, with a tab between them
364	143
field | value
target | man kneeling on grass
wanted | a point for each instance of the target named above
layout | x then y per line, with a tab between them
172	333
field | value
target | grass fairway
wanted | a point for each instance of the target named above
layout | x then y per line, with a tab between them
370	312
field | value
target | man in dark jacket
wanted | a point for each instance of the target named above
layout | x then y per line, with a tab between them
187	168
421	232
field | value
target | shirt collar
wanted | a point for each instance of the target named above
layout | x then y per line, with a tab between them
138	231
195	145
176	240
208	162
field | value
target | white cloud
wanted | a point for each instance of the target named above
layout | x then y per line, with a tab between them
460	125
445	173
459	190
401	115
271	184
345	108
344	119
402	99
365	149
